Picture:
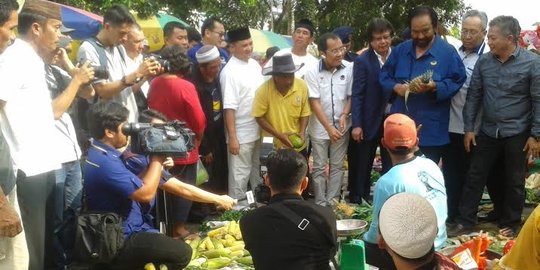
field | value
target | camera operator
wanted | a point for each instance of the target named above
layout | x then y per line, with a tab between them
138	163
111	187
66	82
105	50
12	238
175	97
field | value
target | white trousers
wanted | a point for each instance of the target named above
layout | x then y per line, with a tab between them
323	152
244	168
13	251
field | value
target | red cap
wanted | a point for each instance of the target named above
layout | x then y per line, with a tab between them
399	132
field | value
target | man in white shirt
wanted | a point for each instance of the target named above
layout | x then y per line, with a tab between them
134	46
27	122
13	249
240	79
302	36
105	50
329	84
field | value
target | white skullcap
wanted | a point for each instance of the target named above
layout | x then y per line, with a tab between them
408	224
207	53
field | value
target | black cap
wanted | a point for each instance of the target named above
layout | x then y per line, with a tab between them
305	23
238	34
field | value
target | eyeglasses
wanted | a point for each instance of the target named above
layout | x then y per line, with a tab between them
469	32
338	51
221	34
382	38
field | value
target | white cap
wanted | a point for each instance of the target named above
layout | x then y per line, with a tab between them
408	224
206	54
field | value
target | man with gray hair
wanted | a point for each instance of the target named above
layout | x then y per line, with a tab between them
506	84
456	161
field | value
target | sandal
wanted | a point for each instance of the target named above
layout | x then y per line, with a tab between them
508	232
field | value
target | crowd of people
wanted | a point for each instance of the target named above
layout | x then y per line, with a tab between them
447	119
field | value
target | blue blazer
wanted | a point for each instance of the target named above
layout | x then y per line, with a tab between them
368	100
431	110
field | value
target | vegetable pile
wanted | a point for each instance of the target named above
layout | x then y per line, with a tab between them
221	247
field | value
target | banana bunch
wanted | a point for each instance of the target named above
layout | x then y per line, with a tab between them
220	248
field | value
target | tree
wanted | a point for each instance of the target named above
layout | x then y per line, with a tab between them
358	13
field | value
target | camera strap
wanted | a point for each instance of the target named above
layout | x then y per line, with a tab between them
100	49
303	224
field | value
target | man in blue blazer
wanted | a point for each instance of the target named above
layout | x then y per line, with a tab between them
427	101
369	103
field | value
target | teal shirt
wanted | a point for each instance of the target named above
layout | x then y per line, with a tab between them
420	176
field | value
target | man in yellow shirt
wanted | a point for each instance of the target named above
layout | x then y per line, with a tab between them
281	105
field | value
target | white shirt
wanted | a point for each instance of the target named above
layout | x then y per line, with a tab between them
132	65
332	89
27	120
239	82
68	148
458	101
117	68
308	60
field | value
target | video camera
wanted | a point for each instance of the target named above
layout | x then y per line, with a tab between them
171	138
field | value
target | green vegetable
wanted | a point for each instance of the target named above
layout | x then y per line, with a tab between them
216	263
296	141
216	253
231	215
363	211
247	260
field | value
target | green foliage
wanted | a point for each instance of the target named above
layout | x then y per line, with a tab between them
358	13
325	14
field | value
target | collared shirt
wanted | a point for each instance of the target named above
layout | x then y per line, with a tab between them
108	185
282	112
332	88
307	61
177	99
419	176
432	109
68	147
380	57
458	101
276	243
509	93
27	120
116	65
193	52
239	81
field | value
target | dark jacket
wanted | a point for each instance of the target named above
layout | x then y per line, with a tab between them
368	100
276	243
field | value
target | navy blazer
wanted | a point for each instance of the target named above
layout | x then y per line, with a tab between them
368	100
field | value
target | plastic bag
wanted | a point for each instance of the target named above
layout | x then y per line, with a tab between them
202	174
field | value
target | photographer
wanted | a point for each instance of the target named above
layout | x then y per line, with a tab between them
138	163
111	187
66	82
175	97
106	51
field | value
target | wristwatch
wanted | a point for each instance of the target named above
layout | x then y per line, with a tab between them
124	82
